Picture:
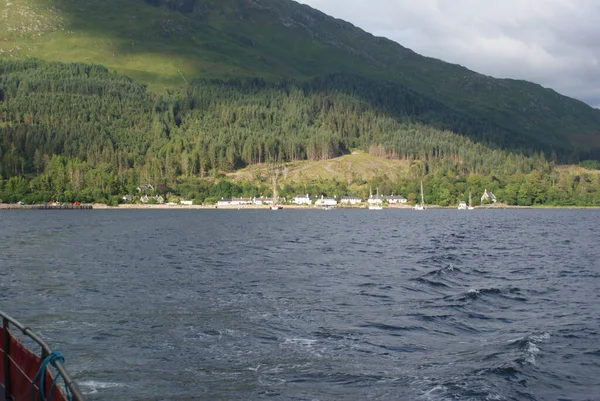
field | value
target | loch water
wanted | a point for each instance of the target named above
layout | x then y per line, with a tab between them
312	304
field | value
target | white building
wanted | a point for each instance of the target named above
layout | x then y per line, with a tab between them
241	201
394	199
262	201
375	200
302	200
488	196
224	202
326	201
350	200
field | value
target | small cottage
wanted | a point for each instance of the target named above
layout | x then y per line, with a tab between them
488	197
350	200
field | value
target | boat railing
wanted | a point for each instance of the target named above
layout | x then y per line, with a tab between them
45	352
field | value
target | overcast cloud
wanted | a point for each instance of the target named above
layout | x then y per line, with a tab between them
555	43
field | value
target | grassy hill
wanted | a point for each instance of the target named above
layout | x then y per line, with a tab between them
168	43
354	169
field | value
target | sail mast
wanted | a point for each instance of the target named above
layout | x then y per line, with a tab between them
274	202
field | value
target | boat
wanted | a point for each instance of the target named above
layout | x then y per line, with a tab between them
462	206
274	205
470	207
25	376
375	206
421	206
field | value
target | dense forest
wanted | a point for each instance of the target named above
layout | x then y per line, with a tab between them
76	132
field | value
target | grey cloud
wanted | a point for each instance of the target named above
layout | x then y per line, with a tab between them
550	42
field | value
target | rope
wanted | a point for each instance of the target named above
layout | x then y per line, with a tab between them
41	373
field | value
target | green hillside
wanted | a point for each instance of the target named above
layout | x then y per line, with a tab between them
77	132
169	43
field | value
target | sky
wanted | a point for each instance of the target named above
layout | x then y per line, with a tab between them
555	43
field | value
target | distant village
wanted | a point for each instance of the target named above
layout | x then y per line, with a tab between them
299	200
308	200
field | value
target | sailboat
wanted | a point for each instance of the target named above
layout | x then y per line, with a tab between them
421	206
274	205
375	206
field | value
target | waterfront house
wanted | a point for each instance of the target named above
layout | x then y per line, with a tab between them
488	196
157	199
375	200
186	202
302	200
326	201
262	201
241	201
350	200
394	199
224	202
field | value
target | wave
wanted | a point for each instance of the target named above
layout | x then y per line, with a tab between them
92	386
392	328
444	271
516	355
432	283
513	294
529	347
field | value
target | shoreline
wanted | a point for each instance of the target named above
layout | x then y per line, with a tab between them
101	206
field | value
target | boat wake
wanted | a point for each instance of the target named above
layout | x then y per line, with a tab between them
93	386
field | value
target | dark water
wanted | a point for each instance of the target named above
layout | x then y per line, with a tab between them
312	305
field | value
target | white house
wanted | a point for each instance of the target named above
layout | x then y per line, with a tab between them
302	200
350	200
158	199
262	201
488	196
186	202
326	201
224	202
241	201
375	200
394	199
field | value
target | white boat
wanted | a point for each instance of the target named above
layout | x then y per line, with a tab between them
420	206
462	206
375	206
274	205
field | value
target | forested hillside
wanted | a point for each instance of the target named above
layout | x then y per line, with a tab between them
167	44
78	132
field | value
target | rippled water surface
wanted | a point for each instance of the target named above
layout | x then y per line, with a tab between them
312	305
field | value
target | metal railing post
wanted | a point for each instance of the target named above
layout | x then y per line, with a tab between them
6	359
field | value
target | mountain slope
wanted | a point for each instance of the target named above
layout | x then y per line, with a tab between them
168	43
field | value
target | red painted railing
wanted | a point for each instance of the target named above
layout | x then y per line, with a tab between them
19	366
